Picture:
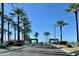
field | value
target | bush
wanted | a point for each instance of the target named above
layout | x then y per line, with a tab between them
63	42
15	43
20	43
11	43
69	45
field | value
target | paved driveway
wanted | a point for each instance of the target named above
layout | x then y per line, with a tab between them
36	50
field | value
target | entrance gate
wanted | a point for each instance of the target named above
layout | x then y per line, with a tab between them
34	41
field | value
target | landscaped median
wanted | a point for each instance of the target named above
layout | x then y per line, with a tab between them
67	49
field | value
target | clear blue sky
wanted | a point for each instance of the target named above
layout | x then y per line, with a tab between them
42	16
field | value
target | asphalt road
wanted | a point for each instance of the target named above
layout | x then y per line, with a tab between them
36	50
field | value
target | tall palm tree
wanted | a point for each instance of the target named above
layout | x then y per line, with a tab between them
61	23
8	20
74	7
36	34
2	22
18	12
25	24
46	35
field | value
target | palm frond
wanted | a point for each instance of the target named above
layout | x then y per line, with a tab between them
61	23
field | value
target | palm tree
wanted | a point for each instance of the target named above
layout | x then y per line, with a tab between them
61	23
2	22
36	34
25	24
46	35
18	12
74	7
8	20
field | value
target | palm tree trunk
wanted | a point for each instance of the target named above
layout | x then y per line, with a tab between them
24	34
61	33
76	15
5	36
18	30
2	23
14	33
8	32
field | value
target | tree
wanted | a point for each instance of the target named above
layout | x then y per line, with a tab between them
8	20
74	7
2	22
46	35
36	34
18	12
26	27
61	23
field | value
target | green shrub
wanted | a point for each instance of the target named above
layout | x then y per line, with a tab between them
10	42
63	42
69	45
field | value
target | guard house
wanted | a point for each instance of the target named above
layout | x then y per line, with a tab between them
51	41
34	41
